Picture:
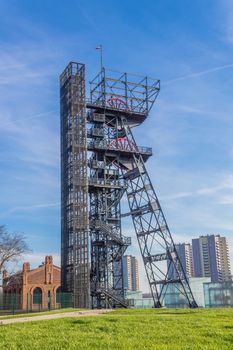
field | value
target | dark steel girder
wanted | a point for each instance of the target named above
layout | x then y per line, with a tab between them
152	231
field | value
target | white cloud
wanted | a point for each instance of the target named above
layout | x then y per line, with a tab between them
29	208
199	74
228	200
226	9
223	183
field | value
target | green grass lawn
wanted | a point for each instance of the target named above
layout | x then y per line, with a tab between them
126	329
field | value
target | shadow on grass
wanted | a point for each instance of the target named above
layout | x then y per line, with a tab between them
175	313
228	327
83	321
112	320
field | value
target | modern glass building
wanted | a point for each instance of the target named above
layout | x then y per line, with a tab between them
174	298
218	294
206	294
137	300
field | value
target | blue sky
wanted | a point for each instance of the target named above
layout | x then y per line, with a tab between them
188	45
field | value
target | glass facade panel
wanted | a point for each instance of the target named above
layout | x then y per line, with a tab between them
174	298
219	294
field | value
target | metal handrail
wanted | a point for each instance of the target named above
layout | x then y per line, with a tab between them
103	144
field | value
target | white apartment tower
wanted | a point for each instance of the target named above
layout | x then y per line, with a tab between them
211	258
184	250
130	273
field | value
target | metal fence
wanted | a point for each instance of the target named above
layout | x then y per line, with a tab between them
14	303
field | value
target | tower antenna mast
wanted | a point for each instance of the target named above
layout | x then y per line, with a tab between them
100	48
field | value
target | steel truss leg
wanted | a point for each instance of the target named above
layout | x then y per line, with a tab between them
154	237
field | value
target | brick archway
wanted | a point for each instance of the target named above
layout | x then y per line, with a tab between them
37	296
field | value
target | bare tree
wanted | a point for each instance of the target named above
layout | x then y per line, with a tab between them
12	247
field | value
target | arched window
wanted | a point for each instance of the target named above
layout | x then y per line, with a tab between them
58	295
37	296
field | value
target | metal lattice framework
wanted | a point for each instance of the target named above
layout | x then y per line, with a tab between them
154	237
116	166
106	189
74	191
127	93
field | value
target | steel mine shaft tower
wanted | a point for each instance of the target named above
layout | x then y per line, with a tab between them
100	162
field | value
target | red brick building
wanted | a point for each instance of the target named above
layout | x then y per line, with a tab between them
36	289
